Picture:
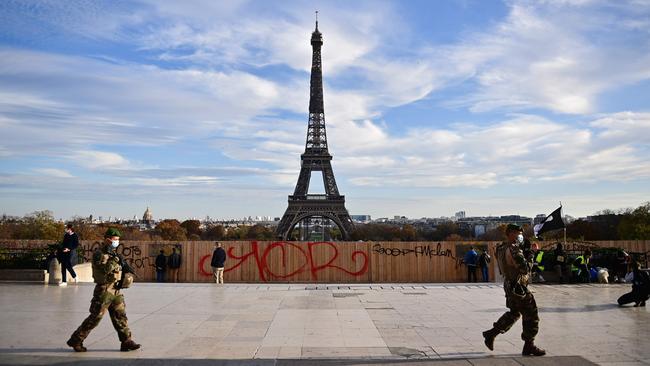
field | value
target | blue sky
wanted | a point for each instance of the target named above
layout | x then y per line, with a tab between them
199	108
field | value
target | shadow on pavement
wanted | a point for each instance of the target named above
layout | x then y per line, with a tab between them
525	361
580	309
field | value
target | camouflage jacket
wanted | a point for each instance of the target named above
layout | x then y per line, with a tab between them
513	264
106	266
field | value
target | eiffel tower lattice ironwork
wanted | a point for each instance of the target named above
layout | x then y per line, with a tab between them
316	157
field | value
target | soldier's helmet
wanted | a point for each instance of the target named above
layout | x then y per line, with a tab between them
112	232
127	281
512	227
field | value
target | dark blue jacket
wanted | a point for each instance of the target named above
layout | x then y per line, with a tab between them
70	241
175	260
470	258
161	262
218	258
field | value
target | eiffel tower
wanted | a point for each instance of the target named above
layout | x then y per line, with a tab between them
316	157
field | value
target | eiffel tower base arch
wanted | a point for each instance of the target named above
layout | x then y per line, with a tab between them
301	209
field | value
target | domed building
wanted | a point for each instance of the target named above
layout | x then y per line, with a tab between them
147	218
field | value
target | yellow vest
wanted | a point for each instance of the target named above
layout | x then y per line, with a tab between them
574	268
538	259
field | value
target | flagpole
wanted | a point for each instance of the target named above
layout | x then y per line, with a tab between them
564	226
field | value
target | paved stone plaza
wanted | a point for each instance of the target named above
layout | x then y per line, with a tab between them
322	324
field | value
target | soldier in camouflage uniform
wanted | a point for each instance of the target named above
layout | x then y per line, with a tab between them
107	268
515	269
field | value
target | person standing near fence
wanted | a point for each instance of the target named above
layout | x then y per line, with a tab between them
161	266
484	263
560	261
68	248
174	265
470	260
515	269
218	262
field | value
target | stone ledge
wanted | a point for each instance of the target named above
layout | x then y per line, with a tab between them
26	275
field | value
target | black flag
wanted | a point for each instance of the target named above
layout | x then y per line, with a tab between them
551	222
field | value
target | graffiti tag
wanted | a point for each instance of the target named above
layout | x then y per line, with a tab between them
306	260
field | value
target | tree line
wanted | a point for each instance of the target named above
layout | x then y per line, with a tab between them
627	224
42	225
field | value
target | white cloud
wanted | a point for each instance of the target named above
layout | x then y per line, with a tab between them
183	181
523	149
52	172
100	160
283	38
625	127
553	57
96	102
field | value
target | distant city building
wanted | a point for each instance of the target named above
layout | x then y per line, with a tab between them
539	218
400	219
362	219
459	215
480	225
479	229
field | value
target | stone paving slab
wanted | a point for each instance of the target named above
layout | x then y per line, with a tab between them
355	324
520	361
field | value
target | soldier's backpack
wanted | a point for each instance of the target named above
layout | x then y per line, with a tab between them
501	254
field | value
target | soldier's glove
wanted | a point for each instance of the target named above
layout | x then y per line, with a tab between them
519	290
125	282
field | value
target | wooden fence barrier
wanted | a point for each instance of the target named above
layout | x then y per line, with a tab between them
315	262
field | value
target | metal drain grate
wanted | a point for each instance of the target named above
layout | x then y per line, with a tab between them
346	294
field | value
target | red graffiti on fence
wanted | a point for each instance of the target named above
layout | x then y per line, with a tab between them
307	260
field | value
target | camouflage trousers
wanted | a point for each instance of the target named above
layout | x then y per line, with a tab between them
525	307
104	298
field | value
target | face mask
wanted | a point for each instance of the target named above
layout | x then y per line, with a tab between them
520	238
115	243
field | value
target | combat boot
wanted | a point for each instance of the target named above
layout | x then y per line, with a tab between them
531	350
129	345
76	346
489	336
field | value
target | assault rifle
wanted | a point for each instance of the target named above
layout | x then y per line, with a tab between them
126	268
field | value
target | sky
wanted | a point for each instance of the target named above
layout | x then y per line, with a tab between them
200	108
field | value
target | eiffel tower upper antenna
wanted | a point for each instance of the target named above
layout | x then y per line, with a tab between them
316	19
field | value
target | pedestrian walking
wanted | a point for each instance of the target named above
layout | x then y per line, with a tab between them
470	260
515	269
218	262
174	265
484	264
161	265
107	266
67	253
